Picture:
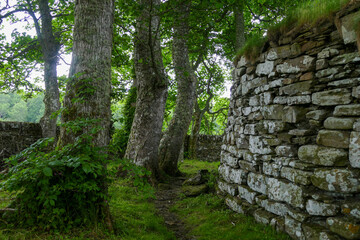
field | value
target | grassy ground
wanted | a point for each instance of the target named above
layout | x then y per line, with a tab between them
135	217
211	219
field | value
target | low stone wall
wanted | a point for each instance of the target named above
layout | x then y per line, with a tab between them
291	153
208	147
16	136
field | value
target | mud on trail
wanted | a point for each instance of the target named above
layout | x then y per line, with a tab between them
166	197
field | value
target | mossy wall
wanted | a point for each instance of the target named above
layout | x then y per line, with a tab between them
291	151
16	136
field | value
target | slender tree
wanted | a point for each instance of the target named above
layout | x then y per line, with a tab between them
172	141
44	49
152	84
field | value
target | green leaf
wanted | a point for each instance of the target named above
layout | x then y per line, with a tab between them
52	202
47	171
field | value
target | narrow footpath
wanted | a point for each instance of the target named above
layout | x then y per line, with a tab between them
166	197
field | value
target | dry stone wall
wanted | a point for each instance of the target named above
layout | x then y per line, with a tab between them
291	151
16	136
208	147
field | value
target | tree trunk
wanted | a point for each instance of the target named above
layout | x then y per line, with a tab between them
239	25
89	87
195	131
152	83
50	49
172	141
88	90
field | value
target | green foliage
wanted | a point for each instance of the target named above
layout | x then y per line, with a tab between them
139	177
13	107
59	189
121	135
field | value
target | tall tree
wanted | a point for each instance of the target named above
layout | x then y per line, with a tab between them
152	84
25	47
88	90
239	24
50	48
172	141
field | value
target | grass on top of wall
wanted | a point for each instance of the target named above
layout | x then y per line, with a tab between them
306	14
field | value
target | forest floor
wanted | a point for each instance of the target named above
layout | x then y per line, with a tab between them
166	197
165	213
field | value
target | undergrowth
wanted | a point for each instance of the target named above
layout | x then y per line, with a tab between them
307	14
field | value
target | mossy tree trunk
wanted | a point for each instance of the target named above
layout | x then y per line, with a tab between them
50	49
88	90
172	141
152	85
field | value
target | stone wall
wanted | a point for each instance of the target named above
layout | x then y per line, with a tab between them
291	152
16	136
208	147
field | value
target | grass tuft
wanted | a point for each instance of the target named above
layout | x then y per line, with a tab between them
307	14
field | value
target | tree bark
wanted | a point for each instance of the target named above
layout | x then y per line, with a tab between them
152	84
50	49
195	131
239	25
172	141
89	87
88	90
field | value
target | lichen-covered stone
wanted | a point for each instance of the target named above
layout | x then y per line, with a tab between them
339	123
257	145
331	138
354	149
257	182
227	188
327	52
229	160
249	166
347	110
336	180
296	176
322	155
271	169
247	194
272	112
265	68
300	64
293	228
318	115
327	72
299	100
331	97
351	209
321	209
270	126
248	85
235	205
296	88
294	114
279	190
274	207
345	59
285	151
262	216
344	227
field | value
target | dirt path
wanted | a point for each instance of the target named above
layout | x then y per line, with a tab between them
166	196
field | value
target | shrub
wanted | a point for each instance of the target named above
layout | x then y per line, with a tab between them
59	189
